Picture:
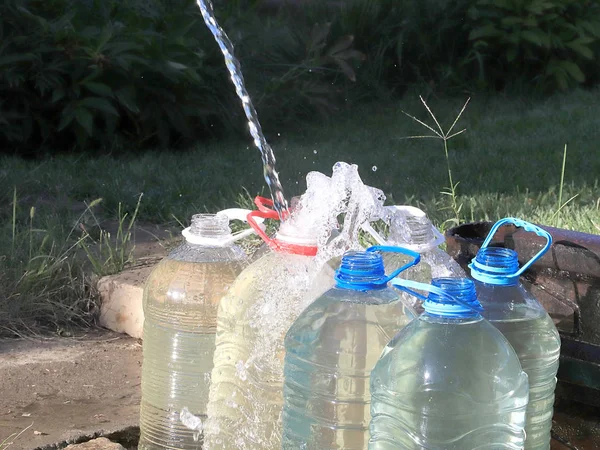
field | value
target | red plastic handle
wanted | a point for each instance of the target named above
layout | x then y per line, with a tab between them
265	212
265	215
264	204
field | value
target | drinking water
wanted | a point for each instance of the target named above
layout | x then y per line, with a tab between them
330	351
180	304
448	380
526	325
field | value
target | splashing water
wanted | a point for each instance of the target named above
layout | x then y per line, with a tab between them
246	397
233	65
326	200
191	422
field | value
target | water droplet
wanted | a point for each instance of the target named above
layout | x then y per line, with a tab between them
374	168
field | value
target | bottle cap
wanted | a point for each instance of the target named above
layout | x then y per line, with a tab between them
448	297
363	271
500	266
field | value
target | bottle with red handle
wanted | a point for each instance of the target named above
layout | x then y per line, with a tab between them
245	400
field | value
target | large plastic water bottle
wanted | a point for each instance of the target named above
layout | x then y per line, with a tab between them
181	297
449	380
246	395
410	228
331	349
524	322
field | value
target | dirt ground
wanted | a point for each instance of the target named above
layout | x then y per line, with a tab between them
63	389
59	390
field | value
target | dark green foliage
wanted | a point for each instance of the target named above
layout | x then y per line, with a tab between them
129	74
406	41
76	72
545	43
97	74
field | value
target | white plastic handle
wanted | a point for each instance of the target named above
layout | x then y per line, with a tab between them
406	210
231	214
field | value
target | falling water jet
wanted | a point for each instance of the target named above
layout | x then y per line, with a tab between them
233	65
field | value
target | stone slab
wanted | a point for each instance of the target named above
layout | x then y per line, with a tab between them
121	301
96	444
121	294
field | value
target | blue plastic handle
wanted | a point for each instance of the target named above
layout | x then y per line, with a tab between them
388	248
409	285
527	227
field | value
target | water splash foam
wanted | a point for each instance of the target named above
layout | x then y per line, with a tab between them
344	198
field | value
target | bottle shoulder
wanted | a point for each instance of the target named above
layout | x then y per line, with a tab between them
203	254
452	358
339	309
509	303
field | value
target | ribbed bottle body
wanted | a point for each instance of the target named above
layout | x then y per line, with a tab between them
247	379
181	300
330	352
449	384
533	335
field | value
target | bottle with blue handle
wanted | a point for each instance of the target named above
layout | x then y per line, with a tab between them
449	380
331	349
524	322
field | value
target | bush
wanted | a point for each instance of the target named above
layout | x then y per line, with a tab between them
79	72
406	41
129	74
135	73
546	43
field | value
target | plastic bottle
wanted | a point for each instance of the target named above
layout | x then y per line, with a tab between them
449	380
246	395
410	228
331	349
524	322
181	297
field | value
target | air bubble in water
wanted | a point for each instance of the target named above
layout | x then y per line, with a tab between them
374	168
315	152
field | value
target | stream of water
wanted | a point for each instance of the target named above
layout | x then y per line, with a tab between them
233	65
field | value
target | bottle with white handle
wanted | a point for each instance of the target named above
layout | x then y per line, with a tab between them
181	298
410	228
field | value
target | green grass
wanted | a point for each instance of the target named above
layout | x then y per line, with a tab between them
509	162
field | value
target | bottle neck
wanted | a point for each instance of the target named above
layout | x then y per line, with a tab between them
421	231
209	230
415	232
496	266
454	298
210	225
361	271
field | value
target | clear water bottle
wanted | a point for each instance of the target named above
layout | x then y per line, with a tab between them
331	349
410	228
524	322
246	394
448	380
181	297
